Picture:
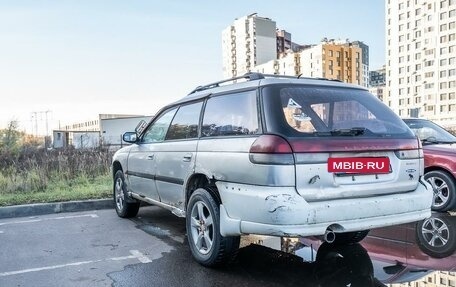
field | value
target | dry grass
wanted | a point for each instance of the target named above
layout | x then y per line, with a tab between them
40	175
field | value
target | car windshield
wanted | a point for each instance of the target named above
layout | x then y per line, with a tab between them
429	132
334	111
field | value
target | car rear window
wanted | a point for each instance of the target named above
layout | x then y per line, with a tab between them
329	111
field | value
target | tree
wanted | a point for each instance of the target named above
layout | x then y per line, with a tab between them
10	137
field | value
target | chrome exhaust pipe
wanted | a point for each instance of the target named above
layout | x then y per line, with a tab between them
329	236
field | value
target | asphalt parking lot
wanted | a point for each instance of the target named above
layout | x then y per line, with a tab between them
97	248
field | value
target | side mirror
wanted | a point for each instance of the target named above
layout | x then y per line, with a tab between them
130	137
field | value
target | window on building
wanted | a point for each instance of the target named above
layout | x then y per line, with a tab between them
443	74
443	62
429	74
452	13
451	49
452	84
443	50
418	11
452	72
451	60
417	45
443	27
443	4
417	67
417	78
443	85
417	34
443	15
443	97
451	96
452	25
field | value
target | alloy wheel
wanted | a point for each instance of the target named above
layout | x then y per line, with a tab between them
441	191
120	198
202	228
435	232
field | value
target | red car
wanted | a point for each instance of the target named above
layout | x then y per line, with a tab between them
439	161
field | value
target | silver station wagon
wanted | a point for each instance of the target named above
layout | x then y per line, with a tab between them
273	155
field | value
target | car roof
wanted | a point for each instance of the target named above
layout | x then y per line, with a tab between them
254	80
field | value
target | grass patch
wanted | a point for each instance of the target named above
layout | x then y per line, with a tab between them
78	188
31	175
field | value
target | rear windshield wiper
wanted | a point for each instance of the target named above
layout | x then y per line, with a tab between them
433	140
356	131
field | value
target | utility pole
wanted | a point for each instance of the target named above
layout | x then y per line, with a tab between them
41	115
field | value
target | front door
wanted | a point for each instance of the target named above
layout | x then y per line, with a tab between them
142	158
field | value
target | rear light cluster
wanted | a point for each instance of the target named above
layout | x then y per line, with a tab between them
271	149
409	154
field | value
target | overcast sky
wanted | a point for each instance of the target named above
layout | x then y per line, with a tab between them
81	58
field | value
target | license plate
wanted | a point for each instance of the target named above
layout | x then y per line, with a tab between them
359	165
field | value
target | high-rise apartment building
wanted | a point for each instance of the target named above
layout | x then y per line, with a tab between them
335	60
249	41
377	77
421	58
329	59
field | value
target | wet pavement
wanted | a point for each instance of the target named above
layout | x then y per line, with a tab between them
99	249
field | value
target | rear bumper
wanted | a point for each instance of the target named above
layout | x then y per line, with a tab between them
280	211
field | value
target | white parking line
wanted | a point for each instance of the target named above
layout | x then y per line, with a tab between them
52	218
135	254
141	257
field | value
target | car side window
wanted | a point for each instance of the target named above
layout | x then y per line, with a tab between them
233	114
185	122
156	132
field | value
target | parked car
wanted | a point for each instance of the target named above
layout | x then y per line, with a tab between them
273	155
439	161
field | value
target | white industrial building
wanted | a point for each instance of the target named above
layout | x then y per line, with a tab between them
421	59
105	131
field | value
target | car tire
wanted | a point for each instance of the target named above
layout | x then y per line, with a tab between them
444	187
125	206
437	236
350	237
208	246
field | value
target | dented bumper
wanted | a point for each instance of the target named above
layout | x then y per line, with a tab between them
281	211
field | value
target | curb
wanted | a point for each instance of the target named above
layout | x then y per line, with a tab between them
54	207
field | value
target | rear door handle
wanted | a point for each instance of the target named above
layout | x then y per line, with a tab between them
187	157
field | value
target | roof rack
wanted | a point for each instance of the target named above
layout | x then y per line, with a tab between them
248	76
254	76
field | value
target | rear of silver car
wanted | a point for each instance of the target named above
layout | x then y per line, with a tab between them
293	191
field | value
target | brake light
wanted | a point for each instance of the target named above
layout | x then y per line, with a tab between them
271	149
409	154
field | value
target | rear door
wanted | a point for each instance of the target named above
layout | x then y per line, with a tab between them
175	157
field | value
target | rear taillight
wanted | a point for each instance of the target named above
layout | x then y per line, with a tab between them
271	149
409	154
